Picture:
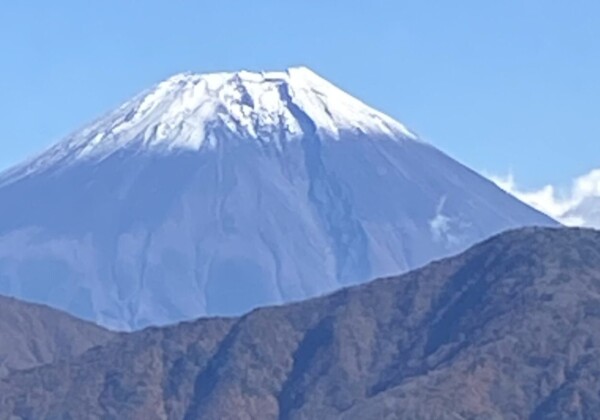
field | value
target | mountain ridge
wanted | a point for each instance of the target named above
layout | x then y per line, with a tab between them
507	329
34	335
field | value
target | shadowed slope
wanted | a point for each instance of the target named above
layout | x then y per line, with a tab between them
32	335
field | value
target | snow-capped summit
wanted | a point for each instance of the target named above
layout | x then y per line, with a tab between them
189	111
214	194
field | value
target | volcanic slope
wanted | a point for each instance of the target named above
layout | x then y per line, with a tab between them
214	194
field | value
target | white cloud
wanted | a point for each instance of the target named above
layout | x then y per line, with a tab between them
576	206
447	229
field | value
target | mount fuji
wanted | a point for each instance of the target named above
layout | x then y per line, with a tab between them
214	194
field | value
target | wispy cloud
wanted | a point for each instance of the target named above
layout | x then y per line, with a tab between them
574	206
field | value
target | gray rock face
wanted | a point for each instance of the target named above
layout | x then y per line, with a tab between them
508	329
33	335
185	202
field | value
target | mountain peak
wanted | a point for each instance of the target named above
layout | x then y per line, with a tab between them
191	110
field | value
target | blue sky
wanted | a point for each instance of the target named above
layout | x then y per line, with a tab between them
501	86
